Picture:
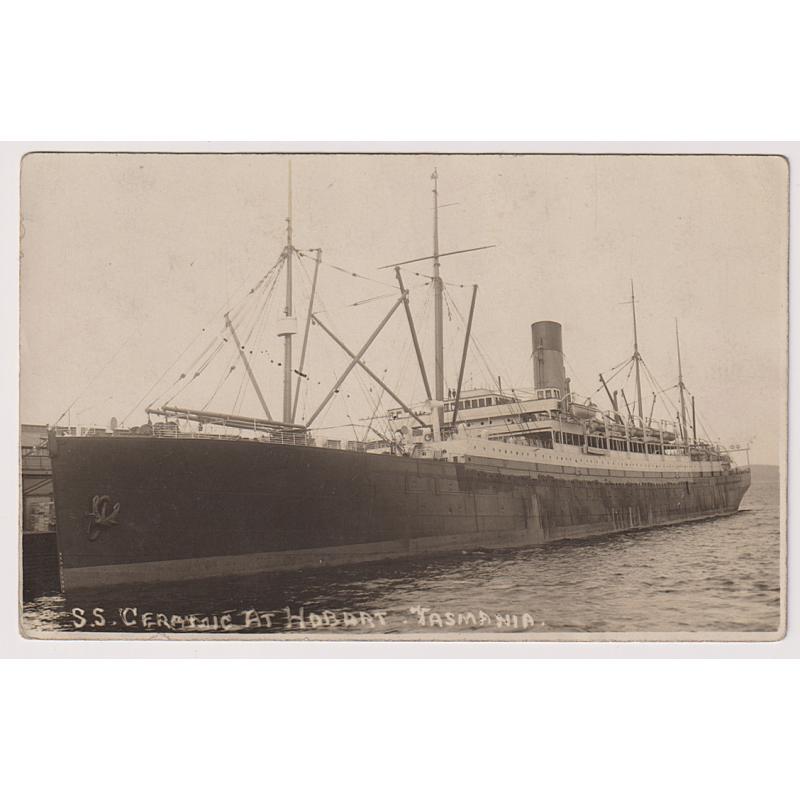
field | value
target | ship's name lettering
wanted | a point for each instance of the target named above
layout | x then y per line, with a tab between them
131	617
299	619
471	619
135	618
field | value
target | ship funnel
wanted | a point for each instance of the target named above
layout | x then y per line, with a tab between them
548	357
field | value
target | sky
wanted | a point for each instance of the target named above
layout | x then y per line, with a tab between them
129	261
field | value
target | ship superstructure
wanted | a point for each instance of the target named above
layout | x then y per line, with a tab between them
549	425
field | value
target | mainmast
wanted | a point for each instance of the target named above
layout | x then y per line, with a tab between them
637	358
681	387
438	388
288	326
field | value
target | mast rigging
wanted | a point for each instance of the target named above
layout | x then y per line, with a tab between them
413	330
464	355
437	255
248	368
682	388
637	358
356	359
371	373
304	348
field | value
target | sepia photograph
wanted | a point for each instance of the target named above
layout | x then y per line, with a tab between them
403	396
401	400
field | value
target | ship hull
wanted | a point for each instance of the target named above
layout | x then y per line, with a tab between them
193	508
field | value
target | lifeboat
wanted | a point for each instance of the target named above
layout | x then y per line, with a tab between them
581	411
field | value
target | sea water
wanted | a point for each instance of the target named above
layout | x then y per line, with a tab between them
720	575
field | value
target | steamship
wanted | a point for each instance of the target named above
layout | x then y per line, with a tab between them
202	494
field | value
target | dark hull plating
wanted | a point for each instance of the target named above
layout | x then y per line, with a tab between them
194	508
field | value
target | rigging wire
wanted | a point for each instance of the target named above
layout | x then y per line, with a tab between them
197	374
97	375
367	300
325	309
404	361
406	353
362	381
430	278
478	349
199	335
662	392
220	344
628	376
256	330
572	370
231	362
260	340
222	380
377	406
516	406
371	299
710	433
712	436
193	364
241	392
319	308
324	413
346	271
303	385
248	311
617	369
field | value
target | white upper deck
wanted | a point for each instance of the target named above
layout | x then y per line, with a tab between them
542	428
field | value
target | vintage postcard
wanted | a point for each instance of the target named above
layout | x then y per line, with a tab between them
425	396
